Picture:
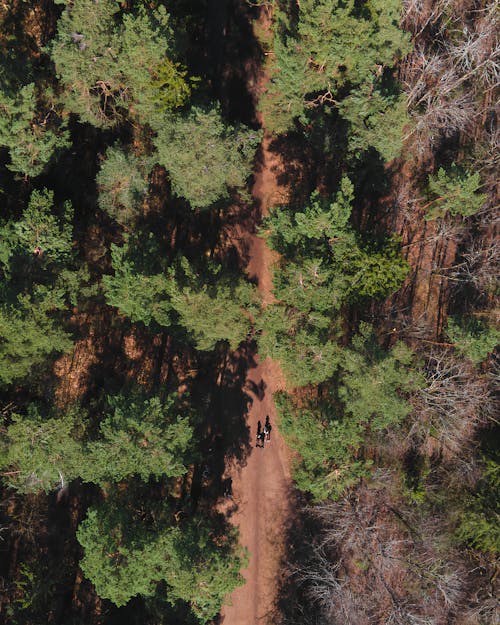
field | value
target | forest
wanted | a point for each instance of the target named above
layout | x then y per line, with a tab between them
131	135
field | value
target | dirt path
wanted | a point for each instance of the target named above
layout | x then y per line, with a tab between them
261	488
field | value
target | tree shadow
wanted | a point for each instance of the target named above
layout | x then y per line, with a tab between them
219	391
293	606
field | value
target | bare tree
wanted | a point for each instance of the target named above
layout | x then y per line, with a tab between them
453	404
376	564
478	266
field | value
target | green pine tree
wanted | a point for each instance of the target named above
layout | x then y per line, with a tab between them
36	259
454	191
122	182
205	157
111	65
141	437
42	453
206	307
324	264
368	398
126	555
473	338
329	45
32	135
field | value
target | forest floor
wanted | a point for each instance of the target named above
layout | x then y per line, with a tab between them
261	489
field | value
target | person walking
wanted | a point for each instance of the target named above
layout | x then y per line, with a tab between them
267	429
259	431
262	436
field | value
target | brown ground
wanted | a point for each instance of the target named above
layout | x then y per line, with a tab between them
261	488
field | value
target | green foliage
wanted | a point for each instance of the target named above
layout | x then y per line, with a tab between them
121	558
324	264
41	232
35	254
42	452
123	184
455	192
126	556
109	67
376	120
159	84
479	524
138	436
170	82
374	382
366	401
205	157
28	334
32	135
327	446
473	338
330	45
302	345
86	54
139	295
142	437
335	264
210	306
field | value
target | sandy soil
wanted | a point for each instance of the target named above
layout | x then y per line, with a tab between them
261	488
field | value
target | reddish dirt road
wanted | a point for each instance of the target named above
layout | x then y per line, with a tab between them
261	489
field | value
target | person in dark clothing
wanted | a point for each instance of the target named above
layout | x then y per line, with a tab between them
259	430
267	429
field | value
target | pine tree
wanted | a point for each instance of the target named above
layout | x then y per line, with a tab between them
43	234
125	556
205	157
367	399
377	116
139	295
328	46
479	523
455	192
123	184
472	338
324	264
141	437
327	446
158	81
213	305
35	260
29	333
138	437
375	383
85	53
42	453
32	135
206	307
111	66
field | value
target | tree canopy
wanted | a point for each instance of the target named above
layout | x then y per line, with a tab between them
33	132
367	399
205	306
454	191
205	157
138	437
113	63
324	264
328	48
122	182
126	556
37	250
